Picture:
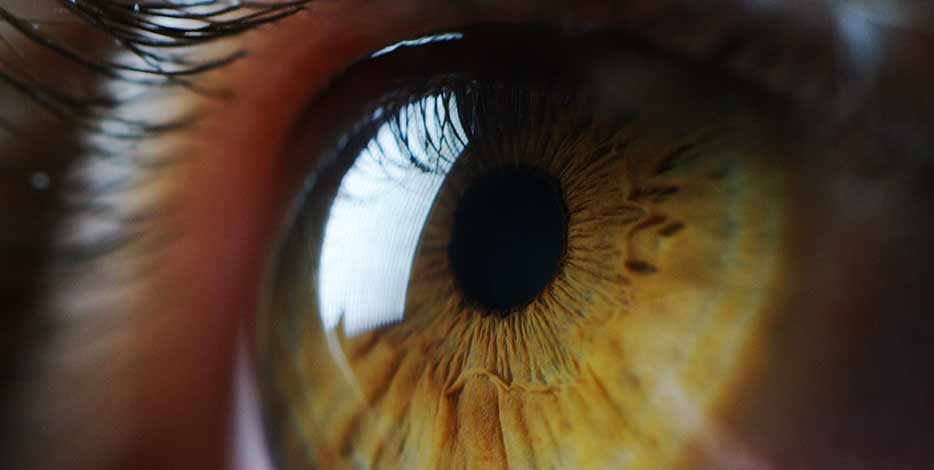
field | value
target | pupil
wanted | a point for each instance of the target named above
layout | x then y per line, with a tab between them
509	234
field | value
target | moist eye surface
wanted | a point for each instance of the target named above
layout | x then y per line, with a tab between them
501	267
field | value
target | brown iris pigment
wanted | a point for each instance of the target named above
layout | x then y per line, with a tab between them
616	360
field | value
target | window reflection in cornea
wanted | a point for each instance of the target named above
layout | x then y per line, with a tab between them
374	224
875	45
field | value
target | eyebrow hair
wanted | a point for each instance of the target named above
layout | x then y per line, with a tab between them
157	41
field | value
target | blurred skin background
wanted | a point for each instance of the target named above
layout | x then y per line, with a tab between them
114	359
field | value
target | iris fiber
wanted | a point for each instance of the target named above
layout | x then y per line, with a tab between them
671	232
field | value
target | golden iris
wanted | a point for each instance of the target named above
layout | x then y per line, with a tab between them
669	254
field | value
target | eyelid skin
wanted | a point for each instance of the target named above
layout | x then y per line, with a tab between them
233	194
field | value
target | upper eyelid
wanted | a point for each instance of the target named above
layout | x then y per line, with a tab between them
805	52
662	21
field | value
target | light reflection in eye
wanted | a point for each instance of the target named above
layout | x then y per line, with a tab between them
373	227
419	42
668	232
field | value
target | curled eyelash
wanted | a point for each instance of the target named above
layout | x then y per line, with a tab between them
158	42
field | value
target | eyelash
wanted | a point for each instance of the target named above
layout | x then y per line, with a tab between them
95	115
142	32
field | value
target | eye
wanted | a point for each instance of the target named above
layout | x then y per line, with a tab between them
548	253
651	235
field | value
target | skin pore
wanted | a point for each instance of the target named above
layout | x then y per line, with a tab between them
157	374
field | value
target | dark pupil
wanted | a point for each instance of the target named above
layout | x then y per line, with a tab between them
510	232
